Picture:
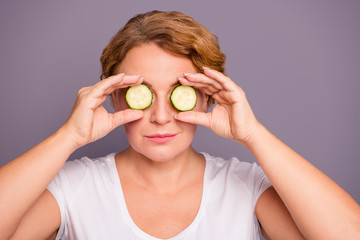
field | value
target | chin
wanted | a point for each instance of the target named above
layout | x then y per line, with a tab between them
163	153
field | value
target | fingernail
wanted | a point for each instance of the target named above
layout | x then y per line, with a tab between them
135	75
176	116
121	74
181	78
206	68
187	74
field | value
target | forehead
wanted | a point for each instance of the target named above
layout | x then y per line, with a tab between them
157	66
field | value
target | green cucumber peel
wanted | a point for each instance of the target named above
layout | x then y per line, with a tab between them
139	97
183	98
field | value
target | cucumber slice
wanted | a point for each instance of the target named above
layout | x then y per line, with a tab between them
183	98
139	97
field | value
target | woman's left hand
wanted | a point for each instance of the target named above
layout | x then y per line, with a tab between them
232	116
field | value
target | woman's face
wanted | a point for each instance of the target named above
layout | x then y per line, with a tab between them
160	70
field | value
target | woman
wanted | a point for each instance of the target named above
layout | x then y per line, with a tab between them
159	187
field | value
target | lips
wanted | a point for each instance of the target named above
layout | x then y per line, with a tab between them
161	138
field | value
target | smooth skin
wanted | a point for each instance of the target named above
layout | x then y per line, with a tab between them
302	204
319	207
31	211
168	176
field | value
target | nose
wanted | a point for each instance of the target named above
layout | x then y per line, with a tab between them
161	111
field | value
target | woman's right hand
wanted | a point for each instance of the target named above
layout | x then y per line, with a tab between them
89	120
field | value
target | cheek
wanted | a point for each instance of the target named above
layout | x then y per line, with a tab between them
191	129
187	129
188	134
132	131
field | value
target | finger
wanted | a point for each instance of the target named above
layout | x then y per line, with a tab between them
105	82
118	81
194	118
201	78
207	89
114	82
126	116
225	81
95	95
219	98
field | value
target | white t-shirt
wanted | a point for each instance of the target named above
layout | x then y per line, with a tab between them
92	204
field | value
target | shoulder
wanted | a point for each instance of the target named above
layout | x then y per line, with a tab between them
233	166
237	173
81	165
76	172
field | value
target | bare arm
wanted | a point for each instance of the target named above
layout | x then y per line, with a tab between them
318	206
24	179
41	221
276	221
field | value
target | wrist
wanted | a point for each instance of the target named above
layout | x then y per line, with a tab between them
66	139
257	131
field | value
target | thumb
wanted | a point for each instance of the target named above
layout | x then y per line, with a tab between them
194	118
126	116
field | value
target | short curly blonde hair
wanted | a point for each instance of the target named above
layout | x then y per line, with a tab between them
173	31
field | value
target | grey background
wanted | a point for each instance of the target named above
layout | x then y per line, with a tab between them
298	62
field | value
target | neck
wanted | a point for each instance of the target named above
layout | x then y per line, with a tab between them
161	176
